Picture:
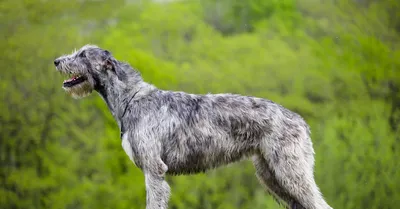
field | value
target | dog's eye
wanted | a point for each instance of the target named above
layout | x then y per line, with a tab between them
82	55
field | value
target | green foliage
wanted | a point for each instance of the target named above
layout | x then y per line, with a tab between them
230	16
336	63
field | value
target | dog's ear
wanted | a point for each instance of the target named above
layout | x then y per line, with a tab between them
119	71
112	64
106	54
108	63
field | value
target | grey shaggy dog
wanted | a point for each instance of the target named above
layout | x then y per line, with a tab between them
167	132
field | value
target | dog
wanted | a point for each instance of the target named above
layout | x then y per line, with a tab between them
170	132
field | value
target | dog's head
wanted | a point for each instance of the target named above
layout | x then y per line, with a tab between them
87	69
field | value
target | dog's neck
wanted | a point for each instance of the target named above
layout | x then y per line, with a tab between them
120	88
119	94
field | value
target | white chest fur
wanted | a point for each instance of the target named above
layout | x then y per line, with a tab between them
126	145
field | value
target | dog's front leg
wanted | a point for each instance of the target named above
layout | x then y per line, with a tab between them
157	189
144	150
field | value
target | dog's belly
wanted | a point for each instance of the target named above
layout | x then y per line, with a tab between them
200	160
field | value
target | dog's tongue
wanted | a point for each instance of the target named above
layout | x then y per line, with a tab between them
71	79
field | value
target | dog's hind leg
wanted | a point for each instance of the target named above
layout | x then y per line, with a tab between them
291	161
267	178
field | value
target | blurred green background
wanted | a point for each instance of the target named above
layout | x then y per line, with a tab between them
335	62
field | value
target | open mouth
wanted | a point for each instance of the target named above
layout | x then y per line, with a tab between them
74	80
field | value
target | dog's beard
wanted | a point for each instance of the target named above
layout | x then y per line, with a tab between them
79	90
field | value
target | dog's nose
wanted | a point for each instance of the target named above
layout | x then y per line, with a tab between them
56	62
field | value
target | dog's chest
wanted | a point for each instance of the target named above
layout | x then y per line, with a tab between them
126	145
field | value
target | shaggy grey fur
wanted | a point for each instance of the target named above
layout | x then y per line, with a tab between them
167	132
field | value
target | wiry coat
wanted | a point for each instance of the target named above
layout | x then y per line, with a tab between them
167	132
